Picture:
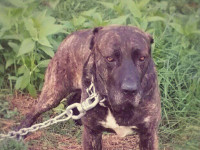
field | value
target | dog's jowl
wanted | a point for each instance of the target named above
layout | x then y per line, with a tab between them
119	60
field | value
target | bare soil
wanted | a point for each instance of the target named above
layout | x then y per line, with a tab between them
43	140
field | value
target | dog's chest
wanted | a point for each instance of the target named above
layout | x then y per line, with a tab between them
110	123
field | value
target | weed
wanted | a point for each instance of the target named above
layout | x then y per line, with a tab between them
5	111
25	44
12	144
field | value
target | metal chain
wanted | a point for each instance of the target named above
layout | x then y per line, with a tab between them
86	105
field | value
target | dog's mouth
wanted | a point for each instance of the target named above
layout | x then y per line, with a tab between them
123	108
126	104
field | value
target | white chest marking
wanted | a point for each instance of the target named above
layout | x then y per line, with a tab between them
147	119
121	131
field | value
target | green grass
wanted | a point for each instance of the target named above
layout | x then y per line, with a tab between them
5	111
179	78
175	26
12	144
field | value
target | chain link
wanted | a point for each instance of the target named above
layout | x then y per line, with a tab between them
86	105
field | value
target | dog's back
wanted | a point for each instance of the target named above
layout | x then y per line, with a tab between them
63	74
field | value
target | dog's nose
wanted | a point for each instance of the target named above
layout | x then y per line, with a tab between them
129	87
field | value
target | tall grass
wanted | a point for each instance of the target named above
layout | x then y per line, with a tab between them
179	78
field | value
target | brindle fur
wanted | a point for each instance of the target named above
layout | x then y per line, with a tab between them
83	55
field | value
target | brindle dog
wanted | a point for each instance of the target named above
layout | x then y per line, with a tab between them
119	59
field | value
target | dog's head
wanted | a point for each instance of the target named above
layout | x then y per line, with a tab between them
122	58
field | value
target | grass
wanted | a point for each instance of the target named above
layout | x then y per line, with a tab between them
5	111
175	26
180	119
12	144
179	80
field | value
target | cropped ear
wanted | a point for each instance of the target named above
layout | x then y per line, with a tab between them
94	32
151	40
88	70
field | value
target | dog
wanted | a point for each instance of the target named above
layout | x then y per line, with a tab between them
119	60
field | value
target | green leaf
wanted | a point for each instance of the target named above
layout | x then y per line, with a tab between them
97	19
134	22
9	62
163	5
67	24
155	18
12	77
41	76
196	32
144	24
1	47
119	20
29	24
21	70
14	46
177	27
32	91
191	25
26	46
12	36
107	5
17	3
4	19
53	3
50	29
49	51
1	68
143	3
119	8
78	21
25	80
44	41
59	108
89	12
134	9
18	83
44	63
48	26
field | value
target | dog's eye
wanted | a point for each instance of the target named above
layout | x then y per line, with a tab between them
142	58
110	59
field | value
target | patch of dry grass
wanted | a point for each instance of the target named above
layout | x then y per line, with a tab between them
48	140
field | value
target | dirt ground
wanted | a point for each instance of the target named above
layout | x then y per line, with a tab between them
41	140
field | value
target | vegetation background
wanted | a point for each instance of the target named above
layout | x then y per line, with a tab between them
31	31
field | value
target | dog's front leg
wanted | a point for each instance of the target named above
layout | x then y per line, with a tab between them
149	140
91	139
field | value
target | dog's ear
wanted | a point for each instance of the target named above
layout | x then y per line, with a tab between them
89	67
94	32
88	70
151	40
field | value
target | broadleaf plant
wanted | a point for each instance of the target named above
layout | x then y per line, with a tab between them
25	45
